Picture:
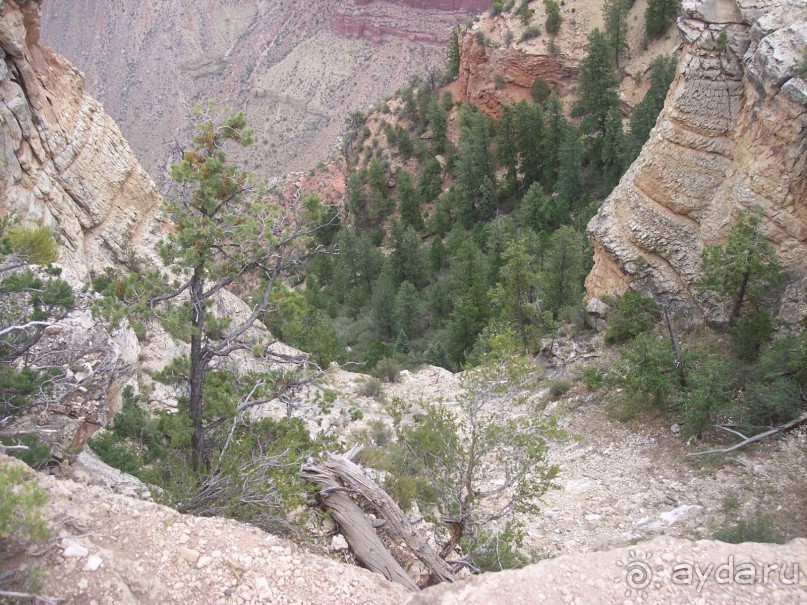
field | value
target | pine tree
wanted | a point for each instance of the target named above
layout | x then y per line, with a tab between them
454	52
507	148
564	268
597	91
613	148
569	187
615	17
473	164
382	304
743	271
430	181
658	16
226	232
402	343
407	309
406	259
555	133
540	212
530	126
438	123
514	295
408	202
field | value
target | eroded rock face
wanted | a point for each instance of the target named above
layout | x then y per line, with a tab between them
517	66
733	134
65	163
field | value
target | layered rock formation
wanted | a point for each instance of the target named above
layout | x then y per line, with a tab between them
65	163
296	67
422	22
517	67
733	134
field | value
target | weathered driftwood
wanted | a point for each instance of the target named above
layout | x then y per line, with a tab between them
749	440
339	475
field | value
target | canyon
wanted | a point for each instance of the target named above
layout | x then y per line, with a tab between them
296	68
732	135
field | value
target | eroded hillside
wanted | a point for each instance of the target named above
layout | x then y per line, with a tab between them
297	68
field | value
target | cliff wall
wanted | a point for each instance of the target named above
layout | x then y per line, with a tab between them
733	134
65	163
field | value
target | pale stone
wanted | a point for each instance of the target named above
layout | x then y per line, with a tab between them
73	549
93	563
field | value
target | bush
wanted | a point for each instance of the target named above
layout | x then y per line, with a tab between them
35	245
758	529
20	509
533	31
388	369
498	81
371	387
648	374
559	387
540	90
633	315
749	334
712	389
553	17
496	550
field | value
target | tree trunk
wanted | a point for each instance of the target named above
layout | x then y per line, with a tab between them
198	367
338	474
738	302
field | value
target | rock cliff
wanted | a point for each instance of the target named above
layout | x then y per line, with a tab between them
733	134
65	163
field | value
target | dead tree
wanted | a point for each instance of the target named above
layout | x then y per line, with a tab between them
339	478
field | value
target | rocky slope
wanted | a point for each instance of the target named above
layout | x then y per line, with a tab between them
65	163
111	548
298	68
733	134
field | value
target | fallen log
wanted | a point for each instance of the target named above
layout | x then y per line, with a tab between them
749	440
339	476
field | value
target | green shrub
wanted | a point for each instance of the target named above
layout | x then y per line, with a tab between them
371	387
388	369
553	17
592	377
712	389
633	315
20	509
749	334
533	31
496	550
559	387
36	456
757	529
34	245
116	453
540	90
498	81
648	374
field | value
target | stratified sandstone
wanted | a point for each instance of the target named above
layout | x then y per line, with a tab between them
732	135
65	163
